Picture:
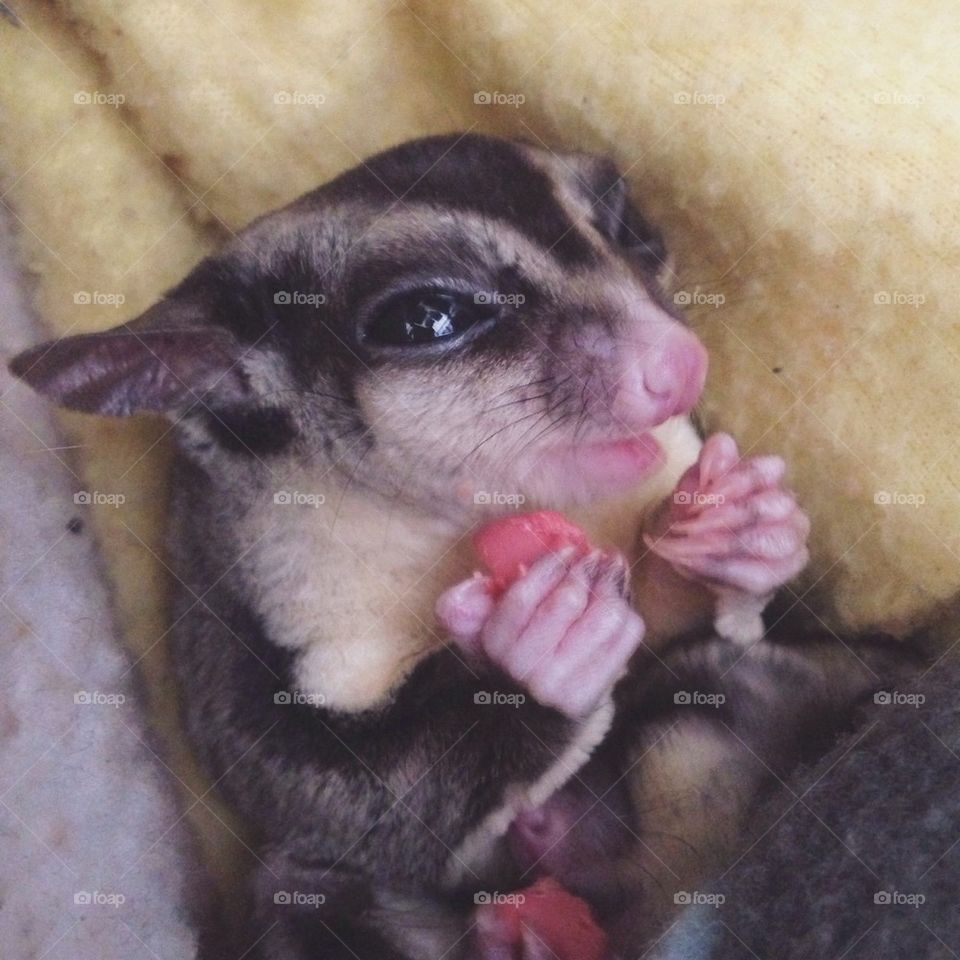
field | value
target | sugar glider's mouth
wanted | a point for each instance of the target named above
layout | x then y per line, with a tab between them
602	467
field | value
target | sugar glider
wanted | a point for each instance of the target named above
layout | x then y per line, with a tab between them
456	326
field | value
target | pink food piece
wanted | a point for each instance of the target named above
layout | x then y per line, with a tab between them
556	918
507	547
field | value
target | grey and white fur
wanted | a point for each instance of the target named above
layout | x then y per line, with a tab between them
356	381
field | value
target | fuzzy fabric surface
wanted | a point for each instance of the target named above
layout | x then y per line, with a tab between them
96	860
860	858
800	158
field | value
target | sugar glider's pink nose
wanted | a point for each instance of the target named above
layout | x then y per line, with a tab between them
660	379
675	371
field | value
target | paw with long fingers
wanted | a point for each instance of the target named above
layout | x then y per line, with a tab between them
564	629
732	526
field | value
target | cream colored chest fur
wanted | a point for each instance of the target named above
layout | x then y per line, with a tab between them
350	583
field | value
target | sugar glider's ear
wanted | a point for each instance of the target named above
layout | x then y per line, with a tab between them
616	216
165	360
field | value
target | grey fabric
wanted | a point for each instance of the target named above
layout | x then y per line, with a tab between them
862	859
95	863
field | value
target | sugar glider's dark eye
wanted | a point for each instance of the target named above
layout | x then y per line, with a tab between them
427	316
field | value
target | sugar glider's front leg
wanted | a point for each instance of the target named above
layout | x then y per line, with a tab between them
727	538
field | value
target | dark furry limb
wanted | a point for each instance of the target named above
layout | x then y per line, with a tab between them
859	857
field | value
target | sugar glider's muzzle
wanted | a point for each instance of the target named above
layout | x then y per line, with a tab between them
658	372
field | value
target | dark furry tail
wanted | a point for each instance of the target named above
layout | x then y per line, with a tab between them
721	727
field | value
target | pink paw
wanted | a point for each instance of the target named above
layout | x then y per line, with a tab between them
732	526
563	630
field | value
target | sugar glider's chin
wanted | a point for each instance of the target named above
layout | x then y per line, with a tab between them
596	469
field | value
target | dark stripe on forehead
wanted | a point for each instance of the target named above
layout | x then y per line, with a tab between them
475	173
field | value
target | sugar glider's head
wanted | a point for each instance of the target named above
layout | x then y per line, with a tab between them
457	315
